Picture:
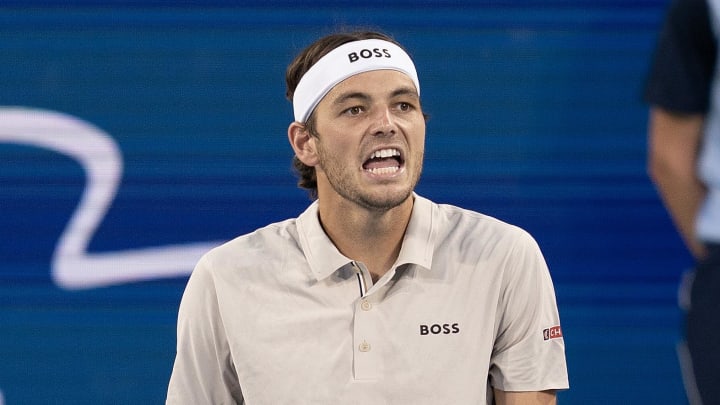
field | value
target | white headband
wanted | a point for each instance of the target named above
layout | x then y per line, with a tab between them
344	61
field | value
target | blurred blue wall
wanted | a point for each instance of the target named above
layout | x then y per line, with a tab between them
536	119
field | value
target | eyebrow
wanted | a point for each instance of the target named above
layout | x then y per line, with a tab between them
342	98
401	91
405	91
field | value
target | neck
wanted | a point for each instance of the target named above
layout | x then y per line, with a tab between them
371	237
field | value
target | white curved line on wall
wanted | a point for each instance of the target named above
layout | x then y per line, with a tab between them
72	266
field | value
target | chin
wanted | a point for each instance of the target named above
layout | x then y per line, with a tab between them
384	201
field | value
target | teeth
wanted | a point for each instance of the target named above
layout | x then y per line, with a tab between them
384	170
384	153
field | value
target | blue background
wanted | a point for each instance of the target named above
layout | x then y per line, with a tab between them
536	118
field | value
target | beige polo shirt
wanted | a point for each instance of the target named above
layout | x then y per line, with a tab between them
279	316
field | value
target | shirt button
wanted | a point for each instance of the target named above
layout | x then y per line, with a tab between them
365	305
364	347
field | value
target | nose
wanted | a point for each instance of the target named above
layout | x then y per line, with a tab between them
384	123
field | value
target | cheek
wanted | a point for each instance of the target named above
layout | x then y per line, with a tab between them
331	150
415	124
334	142
417	139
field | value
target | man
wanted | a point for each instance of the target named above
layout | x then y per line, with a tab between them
373	295
684	164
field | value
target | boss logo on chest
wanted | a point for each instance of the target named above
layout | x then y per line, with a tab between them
369	53
439	329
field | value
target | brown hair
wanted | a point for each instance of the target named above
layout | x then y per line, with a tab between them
295	71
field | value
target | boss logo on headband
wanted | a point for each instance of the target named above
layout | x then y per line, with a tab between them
368	53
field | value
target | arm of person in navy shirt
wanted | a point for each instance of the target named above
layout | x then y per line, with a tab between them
678	91
525	398
674	141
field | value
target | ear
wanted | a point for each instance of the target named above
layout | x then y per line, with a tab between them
303	144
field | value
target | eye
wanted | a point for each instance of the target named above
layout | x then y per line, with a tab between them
405	106
354	110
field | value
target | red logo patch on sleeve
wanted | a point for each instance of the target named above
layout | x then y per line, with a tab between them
552	333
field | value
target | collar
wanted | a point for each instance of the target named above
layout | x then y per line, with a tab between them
324	258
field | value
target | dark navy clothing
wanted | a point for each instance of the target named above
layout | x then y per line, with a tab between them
683	64
703	326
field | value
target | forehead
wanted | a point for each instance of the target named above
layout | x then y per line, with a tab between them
376	83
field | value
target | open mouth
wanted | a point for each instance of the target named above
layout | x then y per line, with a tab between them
384	161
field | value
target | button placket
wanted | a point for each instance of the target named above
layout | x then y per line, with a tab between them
366	358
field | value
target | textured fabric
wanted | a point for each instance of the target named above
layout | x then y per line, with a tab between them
277	317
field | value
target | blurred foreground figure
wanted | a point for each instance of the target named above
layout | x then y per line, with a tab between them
684	163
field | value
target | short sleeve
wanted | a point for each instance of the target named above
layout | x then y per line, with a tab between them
683	64
529	351
203	372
